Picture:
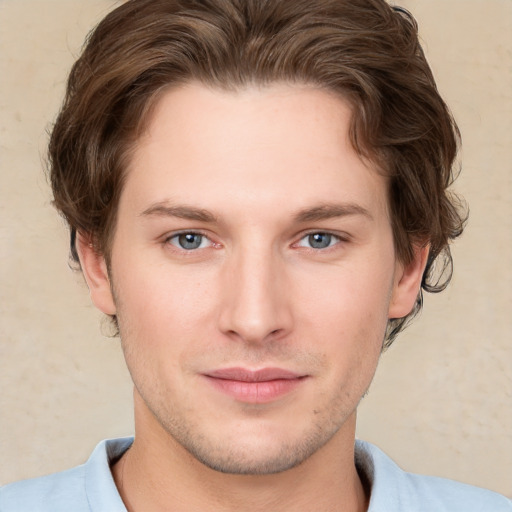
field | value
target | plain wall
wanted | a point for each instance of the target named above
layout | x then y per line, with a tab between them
441	402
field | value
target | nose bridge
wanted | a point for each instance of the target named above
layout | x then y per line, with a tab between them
256	304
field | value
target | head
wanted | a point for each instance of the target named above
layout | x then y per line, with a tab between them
358	60
364	51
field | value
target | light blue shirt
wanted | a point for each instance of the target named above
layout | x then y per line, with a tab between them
91	488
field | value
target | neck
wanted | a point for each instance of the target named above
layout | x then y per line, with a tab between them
158	474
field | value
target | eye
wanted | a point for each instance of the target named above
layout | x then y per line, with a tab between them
189	241
318	240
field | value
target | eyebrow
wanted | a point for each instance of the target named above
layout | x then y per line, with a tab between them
164	209
316	213
330	211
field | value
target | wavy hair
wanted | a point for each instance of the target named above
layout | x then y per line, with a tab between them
363	50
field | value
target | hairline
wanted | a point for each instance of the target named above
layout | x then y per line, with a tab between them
131	143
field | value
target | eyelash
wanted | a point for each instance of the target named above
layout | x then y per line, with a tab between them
332	238
168	240
336	238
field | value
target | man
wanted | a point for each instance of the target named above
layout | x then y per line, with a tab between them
257	193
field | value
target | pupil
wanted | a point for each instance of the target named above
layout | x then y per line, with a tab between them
190	241
320	240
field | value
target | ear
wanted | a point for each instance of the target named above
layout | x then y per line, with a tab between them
407	283
95	273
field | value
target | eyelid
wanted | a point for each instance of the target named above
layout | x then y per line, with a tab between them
339	236
179	232
166	239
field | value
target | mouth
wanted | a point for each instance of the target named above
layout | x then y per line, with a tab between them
254	386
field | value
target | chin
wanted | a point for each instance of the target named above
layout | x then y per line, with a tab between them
239	463
263	457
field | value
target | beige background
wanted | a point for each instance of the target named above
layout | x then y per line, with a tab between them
442	399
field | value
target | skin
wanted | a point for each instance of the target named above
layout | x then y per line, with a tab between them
254	174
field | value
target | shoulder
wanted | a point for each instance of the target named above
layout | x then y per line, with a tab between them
397	490
85	488
58	492
440	494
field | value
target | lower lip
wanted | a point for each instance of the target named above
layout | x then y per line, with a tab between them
255	392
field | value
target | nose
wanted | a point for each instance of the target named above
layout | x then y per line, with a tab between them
255	304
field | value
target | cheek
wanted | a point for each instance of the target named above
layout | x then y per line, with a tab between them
155	334
347	316
346	298
161	296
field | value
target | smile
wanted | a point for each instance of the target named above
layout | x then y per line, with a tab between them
260	386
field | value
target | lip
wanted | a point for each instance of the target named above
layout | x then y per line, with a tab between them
254	386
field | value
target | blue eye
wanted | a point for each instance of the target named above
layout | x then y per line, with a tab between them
189	241
318	240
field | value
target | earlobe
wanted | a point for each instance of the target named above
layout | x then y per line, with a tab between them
96	275
407	283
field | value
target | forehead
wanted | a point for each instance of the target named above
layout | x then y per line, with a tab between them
255	145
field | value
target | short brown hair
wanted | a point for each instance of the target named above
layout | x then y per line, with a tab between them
363	50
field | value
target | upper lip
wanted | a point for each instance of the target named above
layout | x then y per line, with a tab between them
246	375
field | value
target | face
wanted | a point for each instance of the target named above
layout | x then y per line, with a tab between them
252	274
